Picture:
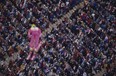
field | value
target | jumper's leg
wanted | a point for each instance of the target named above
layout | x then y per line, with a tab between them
33	56
30	53
38	47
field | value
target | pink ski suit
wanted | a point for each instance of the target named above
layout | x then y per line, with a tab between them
34	34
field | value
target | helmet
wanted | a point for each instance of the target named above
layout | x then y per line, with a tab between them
33	25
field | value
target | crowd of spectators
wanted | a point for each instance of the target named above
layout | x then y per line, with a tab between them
82	45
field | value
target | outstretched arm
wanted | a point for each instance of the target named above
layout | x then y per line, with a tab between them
29	33
39	31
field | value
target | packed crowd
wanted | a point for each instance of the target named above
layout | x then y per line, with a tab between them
82	45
